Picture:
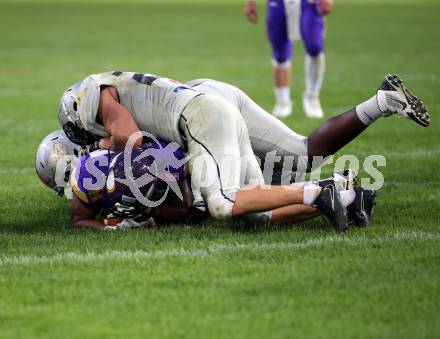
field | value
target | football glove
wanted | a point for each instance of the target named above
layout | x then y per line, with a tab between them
141	221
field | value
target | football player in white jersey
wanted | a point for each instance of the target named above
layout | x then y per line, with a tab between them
117	105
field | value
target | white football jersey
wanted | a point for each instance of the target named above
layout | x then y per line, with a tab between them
230	93
156	103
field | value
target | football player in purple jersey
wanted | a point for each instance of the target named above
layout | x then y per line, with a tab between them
102	186
288	21
62	164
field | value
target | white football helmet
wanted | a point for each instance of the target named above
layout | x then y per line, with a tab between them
54	158
69	118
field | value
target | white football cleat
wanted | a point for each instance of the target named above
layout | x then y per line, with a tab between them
282	110
312	106
394	98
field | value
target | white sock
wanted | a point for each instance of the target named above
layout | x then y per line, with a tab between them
314	68
347	197
282	95
368	111
311	192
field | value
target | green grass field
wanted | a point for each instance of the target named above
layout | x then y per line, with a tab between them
212	281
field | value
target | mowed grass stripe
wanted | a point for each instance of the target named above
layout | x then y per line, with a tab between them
72	257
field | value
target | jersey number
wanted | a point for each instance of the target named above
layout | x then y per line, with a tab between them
144	79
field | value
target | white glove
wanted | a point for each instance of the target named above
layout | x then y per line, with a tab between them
124	210
124	224
128	223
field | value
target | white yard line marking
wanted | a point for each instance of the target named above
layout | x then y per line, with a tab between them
72	257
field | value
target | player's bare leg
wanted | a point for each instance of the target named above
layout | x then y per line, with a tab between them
293	213
260	199
281	75
335	133
322	197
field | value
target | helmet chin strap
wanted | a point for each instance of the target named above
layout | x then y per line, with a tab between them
78	135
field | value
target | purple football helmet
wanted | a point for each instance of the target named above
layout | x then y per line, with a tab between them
129	184
140	178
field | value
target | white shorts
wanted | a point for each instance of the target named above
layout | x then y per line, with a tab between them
221	157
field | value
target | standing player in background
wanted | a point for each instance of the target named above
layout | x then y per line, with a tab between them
289	21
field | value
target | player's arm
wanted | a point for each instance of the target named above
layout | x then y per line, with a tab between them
106	143
187	196
83	215
293	213
174	210
251	11
169	214
116	119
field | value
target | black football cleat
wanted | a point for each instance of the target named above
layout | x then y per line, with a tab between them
393	98
329	204
361	210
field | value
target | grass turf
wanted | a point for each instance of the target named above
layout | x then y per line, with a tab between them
212	281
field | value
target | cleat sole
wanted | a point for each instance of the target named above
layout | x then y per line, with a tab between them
419	112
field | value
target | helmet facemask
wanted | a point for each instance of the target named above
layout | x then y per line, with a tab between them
69	119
